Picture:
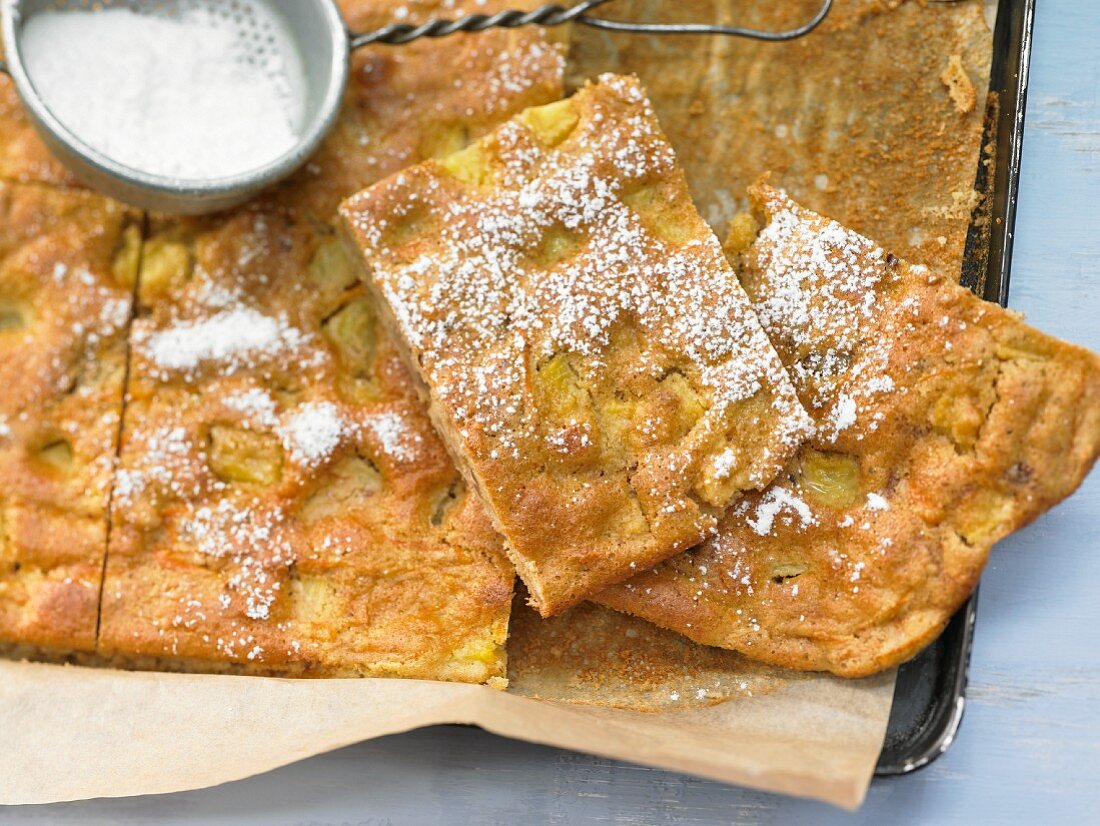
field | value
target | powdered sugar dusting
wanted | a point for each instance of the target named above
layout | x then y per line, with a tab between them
232	339
398	441
256	404
313	431
877	503
814	286
775	501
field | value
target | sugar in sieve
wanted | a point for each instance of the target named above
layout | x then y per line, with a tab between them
309	36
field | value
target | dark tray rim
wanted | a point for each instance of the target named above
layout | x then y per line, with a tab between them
930	694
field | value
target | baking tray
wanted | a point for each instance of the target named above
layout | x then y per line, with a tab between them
930	695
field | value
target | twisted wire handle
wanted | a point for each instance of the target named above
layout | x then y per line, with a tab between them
552	14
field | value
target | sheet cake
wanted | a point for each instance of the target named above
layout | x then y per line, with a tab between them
588	354
944	424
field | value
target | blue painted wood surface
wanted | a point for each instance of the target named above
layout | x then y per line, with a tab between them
1029	747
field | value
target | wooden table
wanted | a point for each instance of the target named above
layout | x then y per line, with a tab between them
1029	747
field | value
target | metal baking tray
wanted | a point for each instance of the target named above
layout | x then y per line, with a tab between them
930	695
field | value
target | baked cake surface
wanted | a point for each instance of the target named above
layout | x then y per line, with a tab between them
282	504
591	655
846	127
944	424
589	356
67	264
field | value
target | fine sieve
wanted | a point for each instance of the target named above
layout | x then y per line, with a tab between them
315	33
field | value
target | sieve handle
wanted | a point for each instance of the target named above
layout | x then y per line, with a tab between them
396	34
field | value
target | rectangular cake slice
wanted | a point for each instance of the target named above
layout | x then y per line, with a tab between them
944	423
67	264
282	504
588	354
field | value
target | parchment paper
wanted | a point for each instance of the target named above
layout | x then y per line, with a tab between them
72	733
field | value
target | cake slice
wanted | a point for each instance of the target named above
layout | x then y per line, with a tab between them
587	352
282	504
944	423
67	263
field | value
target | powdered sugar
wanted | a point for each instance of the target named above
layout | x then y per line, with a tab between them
876	502
775	501
477	305
393	432
256	404
189	95
313	431
813	285
232	338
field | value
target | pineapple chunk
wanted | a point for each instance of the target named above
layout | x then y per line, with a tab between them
672	222
56	454
687	404
983	516
11	318
239	455
473	165
552	123
559	394
829	478
349	482
481	649
352	332
629	520
788	570
556	245
617	420
164	262
127	257
330	268
742	233
959	417
314	601
438	140
566	408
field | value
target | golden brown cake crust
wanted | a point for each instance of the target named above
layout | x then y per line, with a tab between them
591	359
282	502
945	423
65	297
591	655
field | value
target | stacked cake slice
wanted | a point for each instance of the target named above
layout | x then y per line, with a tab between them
600	378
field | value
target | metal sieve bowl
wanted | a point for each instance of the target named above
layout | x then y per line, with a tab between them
321	37
323	41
